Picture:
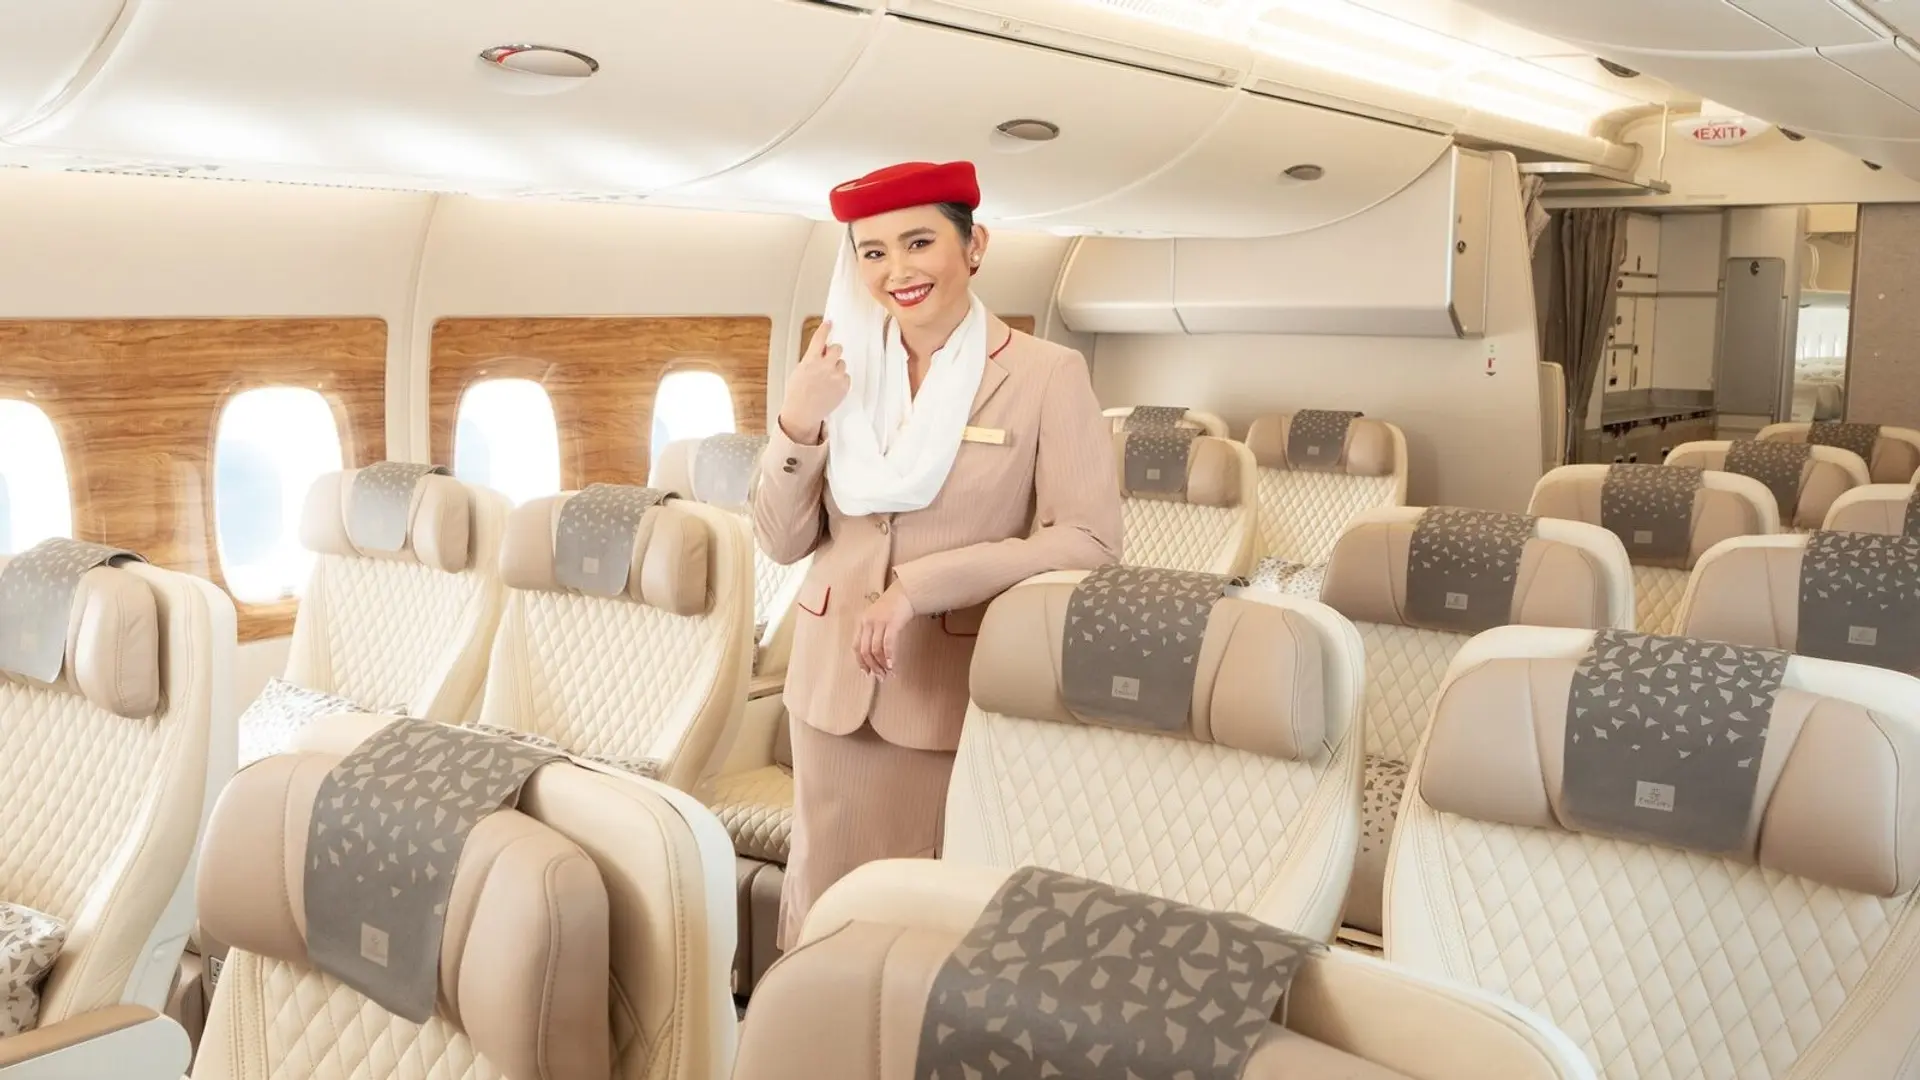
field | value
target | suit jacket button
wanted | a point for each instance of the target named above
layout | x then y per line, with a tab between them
786	468
793	461
885	528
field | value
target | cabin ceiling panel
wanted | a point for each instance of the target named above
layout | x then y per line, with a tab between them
1234	182
680	91
1677	25
1798	89
48	46
1810	22
925	93
1902	15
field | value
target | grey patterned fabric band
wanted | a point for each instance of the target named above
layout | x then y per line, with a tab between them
1067	978
647	767
1860	600
1130	647
593	544
1462	567
1781	466
723	468
1156	460
1912	526
1650	508
1858	438
388	826
380	510
1664	737
37	590
1154	416
1317	439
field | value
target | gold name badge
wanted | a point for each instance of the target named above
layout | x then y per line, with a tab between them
993	436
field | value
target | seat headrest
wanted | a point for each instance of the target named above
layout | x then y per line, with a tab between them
1664	515
1265	674
391	510
1130	417
524	956
1180	465
1567	573
1326	442
665	549
1804	487
1892	454
1730	751
71	621
719	470
1887	509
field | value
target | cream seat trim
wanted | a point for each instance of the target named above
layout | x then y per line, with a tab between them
1553	415
1882	506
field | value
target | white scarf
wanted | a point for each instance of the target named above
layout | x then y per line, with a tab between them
890	449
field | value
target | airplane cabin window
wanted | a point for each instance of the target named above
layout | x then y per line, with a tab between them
34	500
691	404
505	438
271	445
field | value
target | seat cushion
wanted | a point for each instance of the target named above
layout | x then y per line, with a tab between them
30	942
756	806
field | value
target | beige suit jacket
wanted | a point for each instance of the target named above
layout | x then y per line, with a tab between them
1055	469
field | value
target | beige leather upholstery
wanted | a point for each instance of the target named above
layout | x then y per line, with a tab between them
1726	506
1571	574
880	936
404	630
1303	510
1875	508
1827	476
1747	591
1211	530
1794	959
1553	415
588	935
659	673
1896	453
106	778
1204	421
1252	809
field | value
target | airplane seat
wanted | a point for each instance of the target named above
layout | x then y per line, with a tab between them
1875	508
1558	573
1851	597
753	795
1216	768
405	591
1187	501
1695	859
116	732
1127	417
627	631
905	936
577	922
1665	519
1553	415
1892	453
1316	471
1805	479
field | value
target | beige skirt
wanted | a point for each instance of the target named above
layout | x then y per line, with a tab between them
857	798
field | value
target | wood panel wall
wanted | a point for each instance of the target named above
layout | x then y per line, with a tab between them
1022	323
1883	359
136	403
601	375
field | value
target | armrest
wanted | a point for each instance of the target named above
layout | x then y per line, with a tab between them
126	1042
926	894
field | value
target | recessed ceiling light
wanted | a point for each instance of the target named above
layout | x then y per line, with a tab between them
1792	135
1870	165
1030	130
1306	172
548	60
1617	70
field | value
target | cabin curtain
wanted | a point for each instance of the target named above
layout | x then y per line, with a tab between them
1531	190
1590	245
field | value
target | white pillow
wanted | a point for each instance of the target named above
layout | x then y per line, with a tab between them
281	711
30	942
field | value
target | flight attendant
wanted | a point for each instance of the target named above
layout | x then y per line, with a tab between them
928	457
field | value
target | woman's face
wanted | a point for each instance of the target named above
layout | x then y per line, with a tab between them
916	264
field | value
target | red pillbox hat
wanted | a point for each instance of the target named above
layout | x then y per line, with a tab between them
914	183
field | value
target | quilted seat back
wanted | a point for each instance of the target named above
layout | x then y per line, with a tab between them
405	630
1250	809
1305	505
1209	527
107	775
1788	954
1725	506
655	676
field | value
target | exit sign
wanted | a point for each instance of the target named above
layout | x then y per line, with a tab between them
1722	130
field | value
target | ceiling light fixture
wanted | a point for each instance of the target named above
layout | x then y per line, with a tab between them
1792	135
548	60
1620	71
1306	172
1870	165
1036	131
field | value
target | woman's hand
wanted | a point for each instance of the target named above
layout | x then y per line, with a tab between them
815	389
877	634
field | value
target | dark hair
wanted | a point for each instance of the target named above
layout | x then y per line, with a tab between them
960	214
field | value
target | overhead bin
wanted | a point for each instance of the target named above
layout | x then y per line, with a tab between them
923	92
1077	27
1413	266
680	92
1235	181
1798	89
50	45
